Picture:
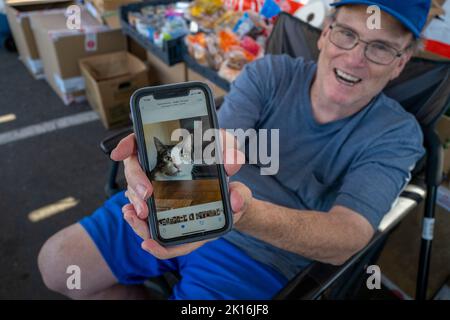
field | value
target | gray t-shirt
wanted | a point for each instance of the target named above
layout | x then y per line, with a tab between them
361	162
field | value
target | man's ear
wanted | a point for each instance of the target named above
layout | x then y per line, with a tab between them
403	60
323	35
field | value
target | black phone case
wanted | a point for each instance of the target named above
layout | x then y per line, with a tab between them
142	156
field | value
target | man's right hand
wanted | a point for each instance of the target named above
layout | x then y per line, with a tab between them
139	189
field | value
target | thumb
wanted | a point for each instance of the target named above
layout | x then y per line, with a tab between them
240	197
125	148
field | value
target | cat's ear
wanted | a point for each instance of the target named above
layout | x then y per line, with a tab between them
158	144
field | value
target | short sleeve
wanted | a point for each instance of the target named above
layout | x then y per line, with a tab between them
377	177
248	96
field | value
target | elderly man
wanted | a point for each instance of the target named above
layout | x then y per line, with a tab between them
346	152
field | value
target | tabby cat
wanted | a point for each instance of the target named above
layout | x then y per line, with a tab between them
173	161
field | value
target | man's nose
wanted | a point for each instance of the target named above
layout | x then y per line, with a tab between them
356	56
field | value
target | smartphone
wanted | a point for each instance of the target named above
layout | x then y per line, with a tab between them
179	149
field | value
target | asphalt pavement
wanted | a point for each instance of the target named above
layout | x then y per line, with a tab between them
42	163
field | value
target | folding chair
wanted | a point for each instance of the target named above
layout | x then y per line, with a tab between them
423	89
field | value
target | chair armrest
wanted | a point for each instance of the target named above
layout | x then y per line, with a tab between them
411	196
312	281
109	143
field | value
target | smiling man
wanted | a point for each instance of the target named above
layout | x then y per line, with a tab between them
346	152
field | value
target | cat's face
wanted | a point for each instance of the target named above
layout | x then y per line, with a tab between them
172	159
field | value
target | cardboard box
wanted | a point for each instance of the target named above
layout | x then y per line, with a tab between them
60	49
164	74
194	76
110	81
19	12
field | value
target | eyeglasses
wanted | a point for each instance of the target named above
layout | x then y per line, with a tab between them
375	51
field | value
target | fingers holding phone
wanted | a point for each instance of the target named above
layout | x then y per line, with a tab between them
177	138
240	198
138	225
125	148
139	186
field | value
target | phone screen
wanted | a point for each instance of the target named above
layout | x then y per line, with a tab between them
180	144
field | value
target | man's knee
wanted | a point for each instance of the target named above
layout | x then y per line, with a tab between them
56	255
51	260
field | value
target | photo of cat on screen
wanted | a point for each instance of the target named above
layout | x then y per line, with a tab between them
177	181
173	161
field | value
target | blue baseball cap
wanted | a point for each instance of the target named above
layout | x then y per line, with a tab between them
411	13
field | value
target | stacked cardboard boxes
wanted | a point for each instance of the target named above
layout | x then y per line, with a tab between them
19	13
61	48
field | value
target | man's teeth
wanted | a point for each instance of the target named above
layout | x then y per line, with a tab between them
347	77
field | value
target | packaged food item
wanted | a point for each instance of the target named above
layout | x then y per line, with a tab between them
227	39
134	17
196	45
250	45
227	72
145	27
214	56
236	59
227	20
148	11
244	5
201	8
206	13
159	23
290	6
230	40
270	9
244	25
175	26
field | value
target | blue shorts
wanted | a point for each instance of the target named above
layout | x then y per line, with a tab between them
217	270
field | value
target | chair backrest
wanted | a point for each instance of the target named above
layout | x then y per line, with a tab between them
423	88
293	37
